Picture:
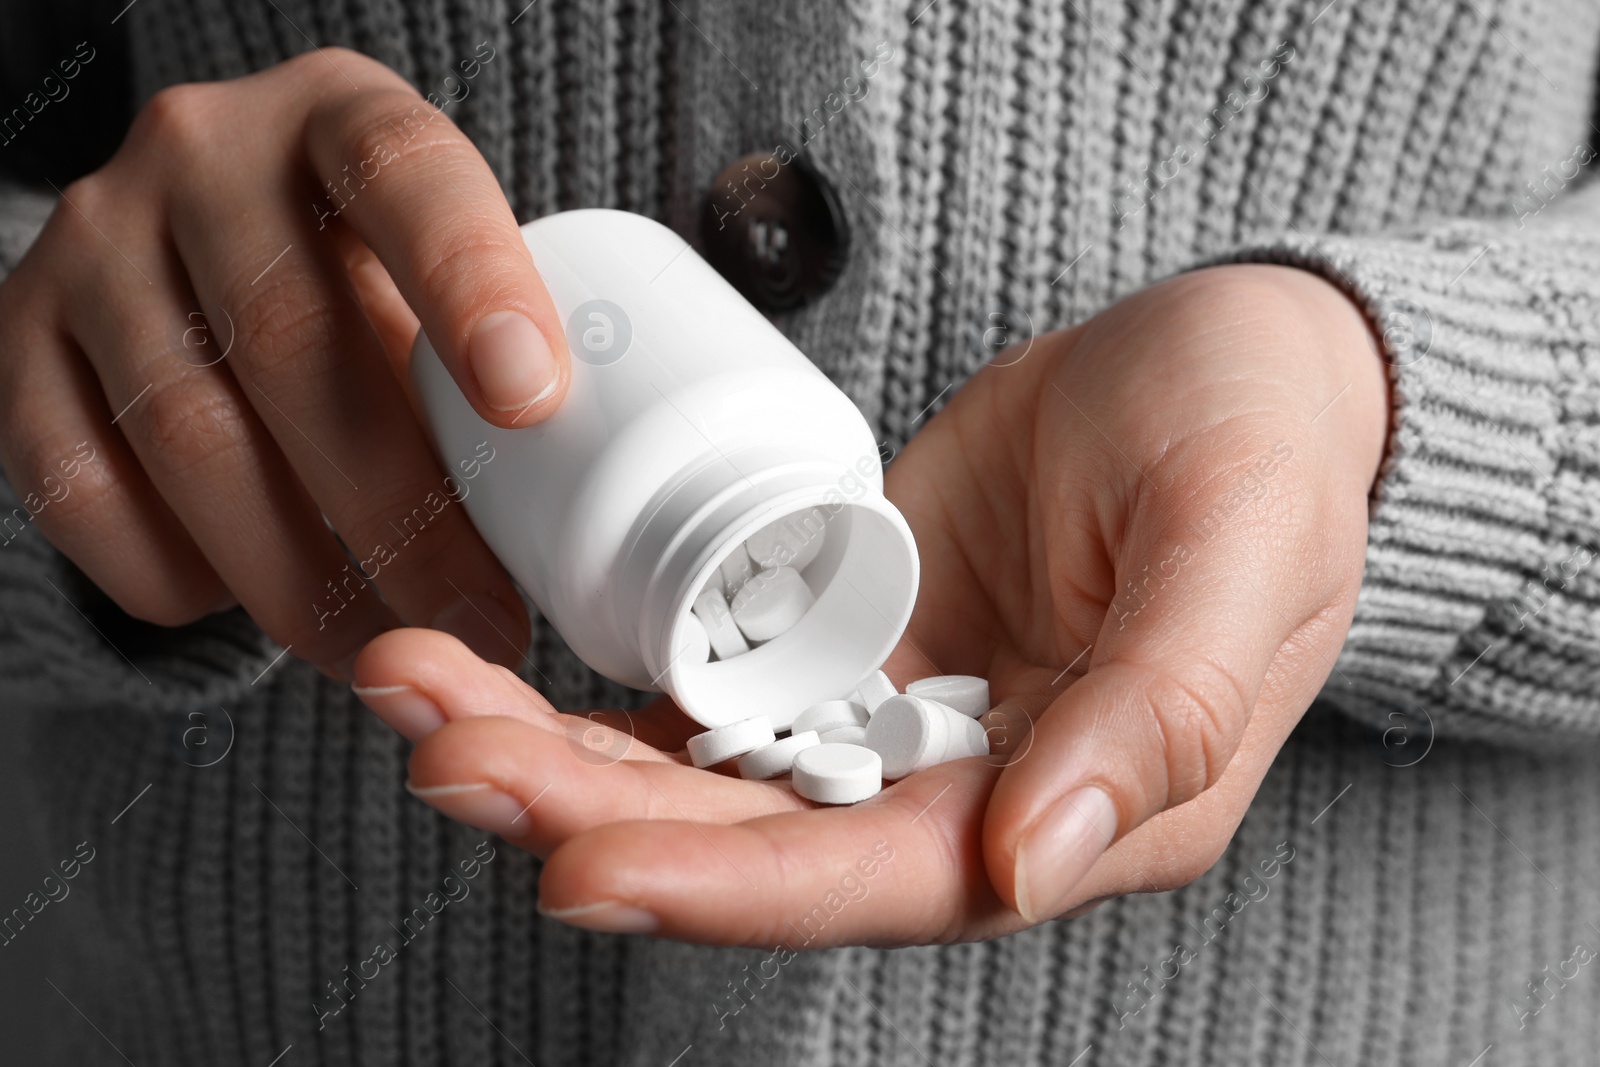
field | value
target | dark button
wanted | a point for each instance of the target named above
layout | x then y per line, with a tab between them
775	230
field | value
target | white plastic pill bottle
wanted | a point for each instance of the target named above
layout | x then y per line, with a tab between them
691	423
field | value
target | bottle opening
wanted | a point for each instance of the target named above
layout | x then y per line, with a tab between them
859	564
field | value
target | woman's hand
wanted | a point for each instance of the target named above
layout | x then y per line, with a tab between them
207	334
1146	531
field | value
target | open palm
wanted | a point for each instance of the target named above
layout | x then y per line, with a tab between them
1147	532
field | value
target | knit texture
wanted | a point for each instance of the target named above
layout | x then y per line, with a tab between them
1028	160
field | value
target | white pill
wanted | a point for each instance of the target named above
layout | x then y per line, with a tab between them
770	603
837	774
874	690
967	694
769	761
793	541
722	632
726	742
830	715
909	733
845	735
914	733
735	570
694	644
967	736
974	737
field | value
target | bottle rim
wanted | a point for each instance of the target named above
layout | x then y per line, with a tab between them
864	581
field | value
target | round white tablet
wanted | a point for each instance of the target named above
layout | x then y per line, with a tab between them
837	774
845	735
770	603
726	742
911	734
721	630
793	541
874	689
830	715
967	694
769	761
694	644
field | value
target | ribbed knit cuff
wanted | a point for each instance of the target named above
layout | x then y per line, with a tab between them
1478	610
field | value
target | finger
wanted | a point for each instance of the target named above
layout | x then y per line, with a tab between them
311	365
904	867
418	680
537	786
212	460
392	318
1203	608
422	197
76	478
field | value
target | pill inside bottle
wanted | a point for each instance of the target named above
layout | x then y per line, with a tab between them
810	626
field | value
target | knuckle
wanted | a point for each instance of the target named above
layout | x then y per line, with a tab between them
313	58
283	330
187	424
470	255
416	535
76	480
176	120
393	130
86	198
85	192
331	63
38	453
1199	716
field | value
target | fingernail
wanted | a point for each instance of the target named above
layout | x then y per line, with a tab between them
477	804
484	625
409	712
1058	850
512	361
606	916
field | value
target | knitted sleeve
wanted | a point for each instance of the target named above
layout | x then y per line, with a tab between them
63	643
1479	613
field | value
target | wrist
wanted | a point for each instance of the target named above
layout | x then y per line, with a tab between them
1352	397
1363	353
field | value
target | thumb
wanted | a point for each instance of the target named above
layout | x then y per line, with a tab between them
1202	608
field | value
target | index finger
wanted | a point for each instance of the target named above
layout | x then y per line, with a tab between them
405	178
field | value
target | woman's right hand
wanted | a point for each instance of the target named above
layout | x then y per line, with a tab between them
201	361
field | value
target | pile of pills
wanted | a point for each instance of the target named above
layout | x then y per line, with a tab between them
841	751
758	592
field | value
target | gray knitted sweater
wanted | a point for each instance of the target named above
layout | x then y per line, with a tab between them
1436	884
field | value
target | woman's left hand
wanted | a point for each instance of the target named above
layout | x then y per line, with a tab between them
1146	531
